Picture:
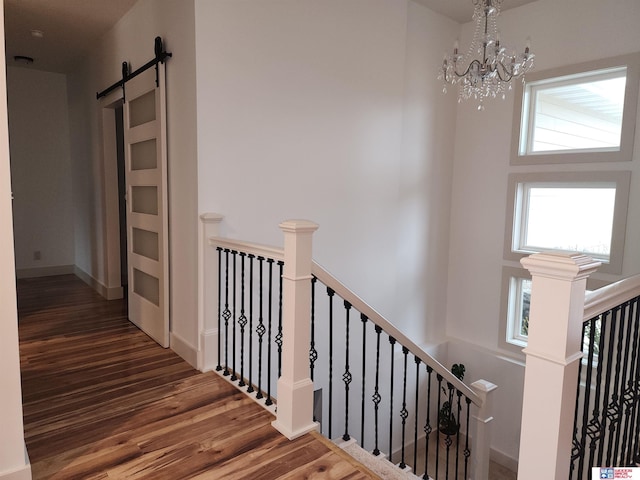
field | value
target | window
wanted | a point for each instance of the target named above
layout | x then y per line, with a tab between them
572	211
516	296
583	113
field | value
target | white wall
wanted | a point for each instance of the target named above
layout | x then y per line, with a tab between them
329	111
132	40
40	169
562	32
13	461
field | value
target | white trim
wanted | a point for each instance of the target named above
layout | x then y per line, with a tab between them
23	473
183	348
110	293
625	154
208	348
49	271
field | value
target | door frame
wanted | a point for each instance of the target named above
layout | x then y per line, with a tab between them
112	254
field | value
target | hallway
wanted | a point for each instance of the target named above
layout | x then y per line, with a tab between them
103	401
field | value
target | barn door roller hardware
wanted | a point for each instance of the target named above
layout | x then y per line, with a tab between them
160	57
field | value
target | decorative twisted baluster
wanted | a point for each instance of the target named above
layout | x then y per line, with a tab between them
242	320
278	339
417	361
346	376
427	426
219	365
313	353
404	413
467	450
376	392
439	378
260	329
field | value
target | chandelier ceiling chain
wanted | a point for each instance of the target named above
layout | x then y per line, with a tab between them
490	75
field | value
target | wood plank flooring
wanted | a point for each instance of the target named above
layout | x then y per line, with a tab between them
103	401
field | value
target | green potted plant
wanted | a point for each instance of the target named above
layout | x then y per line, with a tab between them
448	425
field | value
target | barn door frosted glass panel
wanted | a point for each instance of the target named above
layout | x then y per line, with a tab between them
144	199
142	109
144	155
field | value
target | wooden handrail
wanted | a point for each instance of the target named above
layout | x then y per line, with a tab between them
605	298
330	281
346	294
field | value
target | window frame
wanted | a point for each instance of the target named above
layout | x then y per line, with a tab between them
522	114
622	181
507	323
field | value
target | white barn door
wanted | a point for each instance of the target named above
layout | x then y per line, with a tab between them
147	210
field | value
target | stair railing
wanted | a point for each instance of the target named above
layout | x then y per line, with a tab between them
607	415
262	327
581	401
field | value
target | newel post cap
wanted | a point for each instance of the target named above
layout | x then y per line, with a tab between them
560	265
298	226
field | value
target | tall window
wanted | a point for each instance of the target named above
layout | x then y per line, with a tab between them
577	114
582	113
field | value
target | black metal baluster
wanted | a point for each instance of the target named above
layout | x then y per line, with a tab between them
226	314
595	428
608	410
428	429
279	334
633	386
242	320
219	365
440	389
587	394
233	343
467	450
627	394
364	319
447	440
376	393
313	353
459	394
269	401
260	329
576	448
250	386
392	342
346	377
403	412
330	294
415	426
623	352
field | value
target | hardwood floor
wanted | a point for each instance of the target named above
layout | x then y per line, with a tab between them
103	401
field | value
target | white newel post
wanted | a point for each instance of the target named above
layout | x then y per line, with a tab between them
208	292
482	430
552	360
295	388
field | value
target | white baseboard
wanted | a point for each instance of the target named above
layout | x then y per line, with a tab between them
110	293
504	460
50	271
22	473
183	348
208	350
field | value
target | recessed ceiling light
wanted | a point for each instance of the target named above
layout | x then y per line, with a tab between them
23	59
37	33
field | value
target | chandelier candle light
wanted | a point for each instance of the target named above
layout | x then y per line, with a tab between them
491	74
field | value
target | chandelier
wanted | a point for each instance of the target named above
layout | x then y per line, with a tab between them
487	69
